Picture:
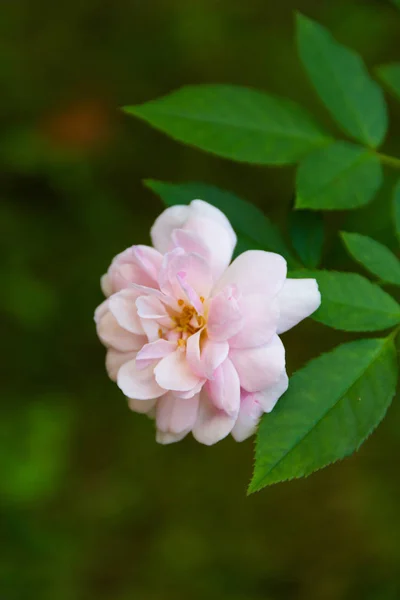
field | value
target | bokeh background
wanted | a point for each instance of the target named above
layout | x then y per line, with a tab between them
92	508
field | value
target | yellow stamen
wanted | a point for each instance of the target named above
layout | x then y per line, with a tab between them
181	302
160	332
201	298
181	343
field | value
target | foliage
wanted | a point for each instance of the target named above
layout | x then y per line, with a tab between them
335	401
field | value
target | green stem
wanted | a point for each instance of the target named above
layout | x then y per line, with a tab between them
392	161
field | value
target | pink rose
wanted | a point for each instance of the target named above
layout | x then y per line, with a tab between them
192	340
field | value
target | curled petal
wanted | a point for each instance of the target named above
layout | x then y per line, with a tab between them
142	406
212	424
166	437
138	383
225	318
260	367
298	299
255	272
190	242
115	360
123	306
172	218
224	388
112	334
173	373
248	419
203	361
197	274
260	320
138	264
153	352
175	415
268	397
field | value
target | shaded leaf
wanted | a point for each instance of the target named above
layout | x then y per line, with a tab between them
340	77
234	122
307	235
331	407
396	208
374	256
252	226
338	177
390	75
351	302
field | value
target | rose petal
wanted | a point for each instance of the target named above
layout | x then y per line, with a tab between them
196	269
138	264
173	373
138	383
111	334
172	218
255	272
115	360
165	437
151	353
261	367
123	306
225	318
203	363
175	415
212	425
298	299
248	419
142	406
268	397
260	319
224	388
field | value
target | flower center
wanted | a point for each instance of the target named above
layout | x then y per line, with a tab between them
187	322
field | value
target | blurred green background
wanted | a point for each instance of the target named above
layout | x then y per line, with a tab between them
92	508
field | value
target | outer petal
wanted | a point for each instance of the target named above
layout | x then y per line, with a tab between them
298	299
172	218
255	272
204	209
175	415
249	416
111	334
260	320
225	319
105	284
173	373
260	367
153	352
142	406
224	388
123	306
268	397
115	360
212	425
138	384
138	264
166	437
204	361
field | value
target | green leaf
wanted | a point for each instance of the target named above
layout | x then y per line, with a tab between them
307	235
374	256
396	208
253	228
331	407
390	76
339	177
234	122
340	77
351	302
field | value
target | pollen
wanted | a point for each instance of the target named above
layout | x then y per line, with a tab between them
181	302
202	299
160	332
181	343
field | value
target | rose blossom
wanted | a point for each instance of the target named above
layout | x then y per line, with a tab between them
192	340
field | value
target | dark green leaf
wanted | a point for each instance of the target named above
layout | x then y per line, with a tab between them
338	177
351	302
234	122
342	81
331	407
253	228
374	256
396	208
390	75
307	234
